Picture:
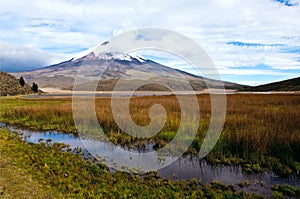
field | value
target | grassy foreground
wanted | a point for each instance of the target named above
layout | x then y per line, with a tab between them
260	132
42	171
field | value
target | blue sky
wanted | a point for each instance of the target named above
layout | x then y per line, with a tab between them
250	42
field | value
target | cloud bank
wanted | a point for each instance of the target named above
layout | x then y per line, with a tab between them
15	58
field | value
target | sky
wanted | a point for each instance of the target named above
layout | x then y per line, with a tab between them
250	41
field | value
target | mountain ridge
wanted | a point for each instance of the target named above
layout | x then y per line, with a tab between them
285	85
113	66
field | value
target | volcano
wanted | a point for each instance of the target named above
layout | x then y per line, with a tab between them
109	67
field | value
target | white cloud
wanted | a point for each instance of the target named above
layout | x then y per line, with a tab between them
64	26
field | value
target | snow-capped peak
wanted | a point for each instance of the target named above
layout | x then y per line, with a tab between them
121	56
138	57
110	55
84	53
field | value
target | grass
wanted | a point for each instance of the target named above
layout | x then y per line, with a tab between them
45	171
16	183
286	190
260	131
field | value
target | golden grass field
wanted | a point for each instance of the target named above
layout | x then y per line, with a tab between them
262	130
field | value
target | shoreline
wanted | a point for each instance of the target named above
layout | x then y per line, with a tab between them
55	91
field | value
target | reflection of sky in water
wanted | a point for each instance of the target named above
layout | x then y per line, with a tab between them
184	168
121	157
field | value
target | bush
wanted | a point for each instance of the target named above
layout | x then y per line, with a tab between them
34	87
22	81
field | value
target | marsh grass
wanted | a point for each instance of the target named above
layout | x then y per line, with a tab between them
67	175
285	190
260	131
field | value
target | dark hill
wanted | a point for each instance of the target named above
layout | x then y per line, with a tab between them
286	85
9	85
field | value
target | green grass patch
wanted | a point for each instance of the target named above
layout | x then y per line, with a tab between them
286	190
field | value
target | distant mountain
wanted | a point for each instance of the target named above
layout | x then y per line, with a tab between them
111	66
286	85
9	85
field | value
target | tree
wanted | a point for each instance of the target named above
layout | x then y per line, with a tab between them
22	81
34	87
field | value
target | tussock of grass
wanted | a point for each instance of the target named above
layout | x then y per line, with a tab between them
286	190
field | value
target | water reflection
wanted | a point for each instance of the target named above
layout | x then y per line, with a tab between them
186	167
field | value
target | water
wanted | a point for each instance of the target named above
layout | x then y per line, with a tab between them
186	167
67	93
